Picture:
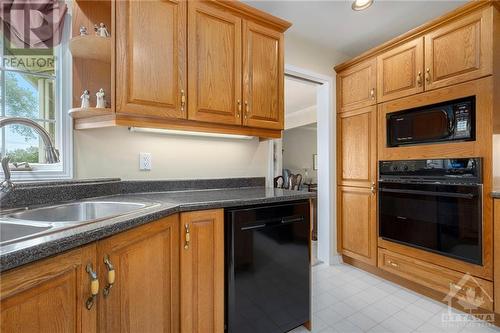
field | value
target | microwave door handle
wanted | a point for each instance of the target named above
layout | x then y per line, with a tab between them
451	124
432	193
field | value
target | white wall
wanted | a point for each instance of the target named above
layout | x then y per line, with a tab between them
114	152
299	145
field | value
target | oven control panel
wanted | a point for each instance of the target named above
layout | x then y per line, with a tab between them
452	171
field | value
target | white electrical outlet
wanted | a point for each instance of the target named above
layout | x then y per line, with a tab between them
145	162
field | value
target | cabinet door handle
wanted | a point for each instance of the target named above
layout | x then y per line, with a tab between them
94	287
419	78
247	109
392	263
183	99
239	109
427	75
372	188
372	93
111	276
187	237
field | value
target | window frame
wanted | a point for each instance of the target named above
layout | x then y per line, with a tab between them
63	91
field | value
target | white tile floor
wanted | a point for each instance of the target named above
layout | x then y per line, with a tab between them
346	299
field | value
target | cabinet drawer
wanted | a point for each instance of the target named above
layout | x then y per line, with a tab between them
458	285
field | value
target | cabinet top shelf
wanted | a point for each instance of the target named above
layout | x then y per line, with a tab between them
91	47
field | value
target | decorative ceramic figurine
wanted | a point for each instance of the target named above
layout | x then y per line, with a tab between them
85	99
101	30
101	102
83	31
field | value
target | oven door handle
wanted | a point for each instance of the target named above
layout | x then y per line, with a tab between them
433	193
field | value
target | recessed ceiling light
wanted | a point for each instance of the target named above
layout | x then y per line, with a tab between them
361	4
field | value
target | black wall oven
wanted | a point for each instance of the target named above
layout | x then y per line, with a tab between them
448	121
435	205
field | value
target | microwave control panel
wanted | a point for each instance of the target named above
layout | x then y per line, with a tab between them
463	115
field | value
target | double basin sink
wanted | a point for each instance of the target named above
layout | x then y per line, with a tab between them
24	224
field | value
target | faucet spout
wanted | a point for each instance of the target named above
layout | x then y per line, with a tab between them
51	153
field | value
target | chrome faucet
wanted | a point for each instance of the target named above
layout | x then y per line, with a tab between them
51	153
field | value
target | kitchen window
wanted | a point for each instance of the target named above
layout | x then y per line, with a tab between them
35	83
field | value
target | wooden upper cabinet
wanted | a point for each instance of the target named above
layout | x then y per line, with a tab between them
357	214
202	271
460	51
145	294
357	147
49	295
357	86
151	58
400	71
214	48
263	77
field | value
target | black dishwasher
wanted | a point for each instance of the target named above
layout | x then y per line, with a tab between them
267	268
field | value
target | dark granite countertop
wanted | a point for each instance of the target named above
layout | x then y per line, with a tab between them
163	203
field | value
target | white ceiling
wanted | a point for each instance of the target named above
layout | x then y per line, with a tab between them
299	95
333	24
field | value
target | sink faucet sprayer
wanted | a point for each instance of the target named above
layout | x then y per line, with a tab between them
51	153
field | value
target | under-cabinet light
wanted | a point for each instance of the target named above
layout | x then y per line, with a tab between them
189	133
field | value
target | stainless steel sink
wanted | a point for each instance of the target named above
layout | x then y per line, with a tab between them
12	231
29	223
78	212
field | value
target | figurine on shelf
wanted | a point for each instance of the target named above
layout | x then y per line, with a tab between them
101	102
101	30
85	99
83	31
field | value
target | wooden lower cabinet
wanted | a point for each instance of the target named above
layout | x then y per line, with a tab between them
464	288
49	295
357	232
202	272
151	279
145	294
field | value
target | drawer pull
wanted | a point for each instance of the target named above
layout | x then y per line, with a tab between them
94	287
393	264
111	276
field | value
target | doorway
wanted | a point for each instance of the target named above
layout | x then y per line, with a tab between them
308	114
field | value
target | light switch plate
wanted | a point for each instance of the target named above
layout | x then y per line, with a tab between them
145	162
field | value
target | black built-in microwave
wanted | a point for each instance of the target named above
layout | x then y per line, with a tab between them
448	121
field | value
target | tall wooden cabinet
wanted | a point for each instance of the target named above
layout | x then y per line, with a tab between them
202	272
151	58
50	295
452	57
356	167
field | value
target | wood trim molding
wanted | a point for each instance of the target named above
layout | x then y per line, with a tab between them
255	14
417	32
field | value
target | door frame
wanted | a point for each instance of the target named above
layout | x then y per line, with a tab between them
326	141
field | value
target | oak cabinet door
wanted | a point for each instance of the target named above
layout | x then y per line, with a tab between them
214	48
357	86
151	58
49	295
459	51
202	272
358	223
263	77
145	294
357	147
400	71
